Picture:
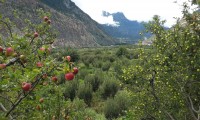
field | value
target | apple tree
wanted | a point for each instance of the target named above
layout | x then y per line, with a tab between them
166	80
29	75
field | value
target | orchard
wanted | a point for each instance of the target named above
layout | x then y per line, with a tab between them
133	82
28	74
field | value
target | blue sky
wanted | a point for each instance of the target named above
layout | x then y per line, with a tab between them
140	10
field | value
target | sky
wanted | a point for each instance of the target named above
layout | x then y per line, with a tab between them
140	10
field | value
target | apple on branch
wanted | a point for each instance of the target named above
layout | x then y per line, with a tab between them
36	34
39	64
2	66
68	58
26	86
54	79
45	18
69	76
9	51
75	70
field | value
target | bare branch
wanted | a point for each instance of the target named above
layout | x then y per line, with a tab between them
170	116
153	92
192	106
12	61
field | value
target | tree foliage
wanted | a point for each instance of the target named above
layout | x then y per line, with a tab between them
28	73
167	77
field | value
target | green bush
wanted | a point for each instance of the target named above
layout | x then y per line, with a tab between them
77	110
106	66
98	51
122	51
112	59
73	53
59	53
97	64
111	109
123	99
135	54
82	73
87	59
116	107
109	88
85	93
70	90
91	114
95	80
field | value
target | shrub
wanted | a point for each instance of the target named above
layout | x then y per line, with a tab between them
112	59
82	73
97	64
77	110
95	80
59	53
90	114
109	88
116	107
85	93
73	53
98	51
123	100
70	90
122	51
87	59
106	66
111	109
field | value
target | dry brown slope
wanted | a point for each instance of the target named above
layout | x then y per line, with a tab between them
75	27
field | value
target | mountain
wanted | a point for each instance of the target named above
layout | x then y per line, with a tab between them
126	31
75	27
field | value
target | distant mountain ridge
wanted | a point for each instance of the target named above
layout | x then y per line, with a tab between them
75	27
126	31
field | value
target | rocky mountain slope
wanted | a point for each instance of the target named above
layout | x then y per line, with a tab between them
75	27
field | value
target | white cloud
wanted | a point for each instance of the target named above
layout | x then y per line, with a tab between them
106	20
140	10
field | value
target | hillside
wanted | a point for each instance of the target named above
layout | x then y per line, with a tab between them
75	27
126	31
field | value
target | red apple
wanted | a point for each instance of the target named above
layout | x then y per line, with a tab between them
2	66
75	70
26	86
9	51
54	79
49	21
46	18
69	76
42	49
38	107
39	64
68	58
41	100
36	34
1	49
